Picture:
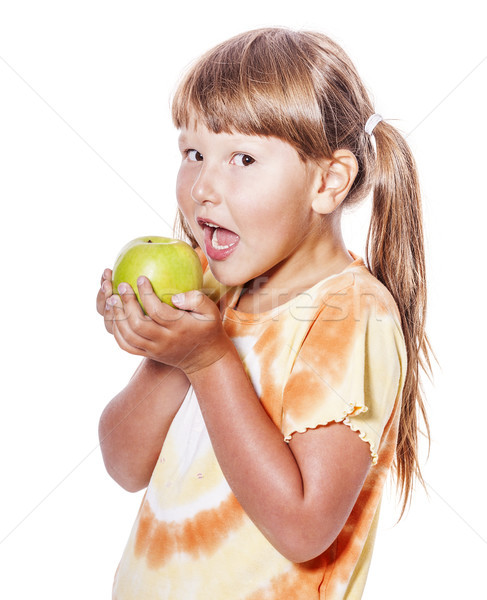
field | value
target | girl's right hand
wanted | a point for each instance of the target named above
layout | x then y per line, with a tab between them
104	293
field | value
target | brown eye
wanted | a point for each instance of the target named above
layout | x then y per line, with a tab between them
194	155
243	160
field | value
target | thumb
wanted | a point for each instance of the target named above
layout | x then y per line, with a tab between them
197	303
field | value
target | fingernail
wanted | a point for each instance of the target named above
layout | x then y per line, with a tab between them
140	280
178	299
111	301
122	288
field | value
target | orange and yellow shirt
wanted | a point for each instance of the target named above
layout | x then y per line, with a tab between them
333	354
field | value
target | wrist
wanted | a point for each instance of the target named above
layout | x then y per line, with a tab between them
211	362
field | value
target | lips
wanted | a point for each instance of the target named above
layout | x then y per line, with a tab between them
219	241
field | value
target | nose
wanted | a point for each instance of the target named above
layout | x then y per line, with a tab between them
205	188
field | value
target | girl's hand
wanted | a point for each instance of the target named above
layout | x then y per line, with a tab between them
190	337
104	293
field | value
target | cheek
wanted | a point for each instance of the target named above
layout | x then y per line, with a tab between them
183	190
276	203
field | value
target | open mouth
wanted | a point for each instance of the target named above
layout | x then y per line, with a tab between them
219	241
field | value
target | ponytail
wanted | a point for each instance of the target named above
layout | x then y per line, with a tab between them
395	256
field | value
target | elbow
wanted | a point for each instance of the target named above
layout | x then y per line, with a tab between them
299	552
126	481
300	544
132	488
122	472
119	463
130	482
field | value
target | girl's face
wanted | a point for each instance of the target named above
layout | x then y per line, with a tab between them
248	202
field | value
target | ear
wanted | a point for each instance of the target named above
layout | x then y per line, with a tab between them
336	176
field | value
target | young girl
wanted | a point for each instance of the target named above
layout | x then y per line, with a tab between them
266	414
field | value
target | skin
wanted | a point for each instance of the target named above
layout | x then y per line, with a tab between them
298	494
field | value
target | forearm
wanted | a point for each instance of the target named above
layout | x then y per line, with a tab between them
134	424
258	465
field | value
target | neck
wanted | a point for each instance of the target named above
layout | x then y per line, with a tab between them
325	256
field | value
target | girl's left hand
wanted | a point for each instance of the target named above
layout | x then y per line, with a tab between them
190	337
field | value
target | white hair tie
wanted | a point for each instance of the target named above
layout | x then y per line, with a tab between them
372	122
369	128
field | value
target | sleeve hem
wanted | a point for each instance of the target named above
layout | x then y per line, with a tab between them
346	421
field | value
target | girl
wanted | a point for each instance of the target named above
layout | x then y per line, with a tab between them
266	414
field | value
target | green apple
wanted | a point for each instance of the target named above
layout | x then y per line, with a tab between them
172	266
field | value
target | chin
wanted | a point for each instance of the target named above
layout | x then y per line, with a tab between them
227	279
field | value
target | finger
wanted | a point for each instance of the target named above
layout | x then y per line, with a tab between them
108	318
198	304
124	343
109	326
129	300
108	312
131	337
104	292
106	276
114	305
137	325
158	311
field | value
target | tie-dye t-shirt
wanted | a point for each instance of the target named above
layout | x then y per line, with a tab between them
333	354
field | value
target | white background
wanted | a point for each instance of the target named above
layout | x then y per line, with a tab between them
88	161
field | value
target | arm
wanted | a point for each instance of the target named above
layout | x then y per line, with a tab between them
299	494
134	424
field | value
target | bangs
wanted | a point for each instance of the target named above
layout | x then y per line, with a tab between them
258	83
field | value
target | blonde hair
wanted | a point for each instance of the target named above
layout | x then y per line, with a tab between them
302	87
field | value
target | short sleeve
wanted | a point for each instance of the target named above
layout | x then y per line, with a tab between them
349	368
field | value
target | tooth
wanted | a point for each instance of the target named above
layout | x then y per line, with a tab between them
215	244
